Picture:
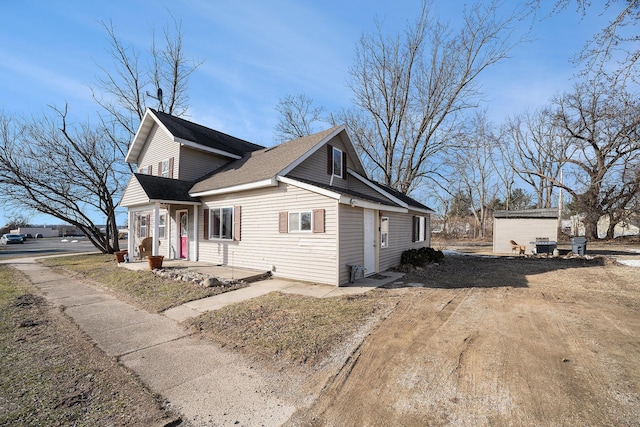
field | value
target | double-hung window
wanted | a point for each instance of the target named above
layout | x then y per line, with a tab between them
221	223
161	226
337	162
384	232
143	226
300	221
164	169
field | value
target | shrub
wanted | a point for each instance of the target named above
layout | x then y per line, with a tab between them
421	257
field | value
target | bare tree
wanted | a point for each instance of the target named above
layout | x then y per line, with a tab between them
64	172
473	169
602	127
409	89
535	150
613	51
298	116
136	80
75	171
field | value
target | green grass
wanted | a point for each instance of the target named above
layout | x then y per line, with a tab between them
142	288
289	327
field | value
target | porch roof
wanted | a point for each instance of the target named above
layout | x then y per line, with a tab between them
165	189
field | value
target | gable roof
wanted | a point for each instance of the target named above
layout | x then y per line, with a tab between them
265	164
410	201
188	133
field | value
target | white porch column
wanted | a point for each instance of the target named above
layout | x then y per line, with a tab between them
131	233
195	232
156	228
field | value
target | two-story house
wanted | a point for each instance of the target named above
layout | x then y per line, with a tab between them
304	209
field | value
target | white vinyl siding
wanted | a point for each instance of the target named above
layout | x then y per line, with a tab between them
400	228
133	194
351	240
159	147
302	256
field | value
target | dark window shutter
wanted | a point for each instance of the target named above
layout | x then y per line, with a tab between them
329	159
237	217
171	167
318	220
159	169
138	226
149	226
206	224
283	222
413	228
150	170
344	165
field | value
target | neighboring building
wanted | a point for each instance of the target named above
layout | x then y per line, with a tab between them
34	231
304	209
523	227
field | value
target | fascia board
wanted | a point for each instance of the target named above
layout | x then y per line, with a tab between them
270	182
309	187
201	147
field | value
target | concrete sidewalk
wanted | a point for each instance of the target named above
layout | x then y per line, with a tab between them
206	384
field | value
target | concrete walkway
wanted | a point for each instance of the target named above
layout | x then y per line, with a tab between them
206	384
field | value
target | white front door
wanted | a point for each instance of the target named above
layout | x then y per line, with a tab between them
369	242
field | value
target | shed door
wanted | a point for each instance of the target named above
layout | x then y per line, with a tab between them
369	242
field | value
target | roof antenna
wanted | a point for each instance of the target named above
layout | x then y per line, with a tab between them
157	98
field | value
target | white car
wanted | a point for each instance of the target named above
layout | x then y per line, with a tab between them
8	239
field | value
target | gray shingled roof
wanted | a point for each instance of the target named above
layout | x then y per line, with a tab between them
260	165
406	199
184	129
159	188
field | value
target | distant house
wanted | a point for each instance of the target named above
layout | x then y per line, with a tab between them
304	209
524	227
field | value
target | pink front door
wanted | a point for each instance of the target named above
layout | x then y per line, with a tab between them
184	237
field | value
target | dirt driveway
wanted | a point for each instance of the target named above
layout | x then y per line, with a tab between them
497	342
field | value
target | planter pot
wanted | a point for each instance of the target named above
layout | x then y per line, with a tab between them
120	256
155	261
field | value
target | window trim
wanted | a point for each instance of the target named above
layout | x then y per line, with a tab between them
299	214
220	210
341	162
143	226
162	226
164	173
384	243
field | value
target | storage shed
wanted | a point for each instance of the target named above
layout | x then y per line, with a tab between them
524	227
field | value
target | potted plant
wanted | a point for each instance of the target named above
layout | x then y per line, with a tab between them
120	256
155	261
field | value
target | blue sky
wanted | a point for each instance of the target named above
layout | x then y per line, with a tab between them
254	52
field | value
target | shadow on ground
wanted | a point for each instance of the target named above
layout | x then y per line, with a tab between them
468	271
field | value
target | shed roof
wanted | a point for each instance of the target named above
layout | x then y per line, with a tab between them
527	213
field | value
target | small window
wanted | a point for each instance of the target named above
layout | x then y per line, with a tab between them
299	221
384	232
164	169
143	226
161	226
221	223
337	162
145	170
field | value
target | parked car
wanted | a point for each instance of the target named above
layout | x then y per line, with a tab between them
8	239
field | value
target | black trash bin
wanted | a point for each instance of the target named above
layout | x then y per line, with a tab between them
579	245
